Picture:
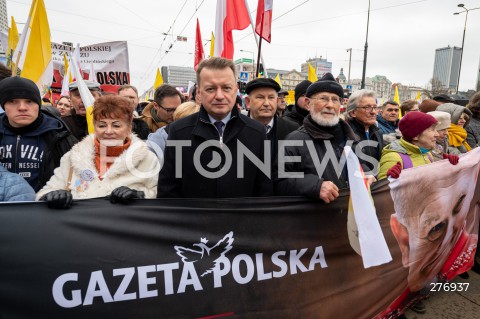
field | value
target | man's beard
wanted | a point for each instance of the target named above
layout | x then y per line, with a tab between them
322	121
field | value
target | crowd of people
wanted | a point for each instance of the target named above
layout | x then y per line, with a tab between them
216	144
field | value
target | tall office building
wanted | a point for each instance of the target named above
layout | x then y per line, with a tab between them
3	23
3	16
321	66
178	76
447	64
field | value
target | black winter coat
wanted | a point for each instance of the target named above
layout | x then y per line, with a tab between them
55	137
309	185
77	124
296	116
197	129
281	128
140	128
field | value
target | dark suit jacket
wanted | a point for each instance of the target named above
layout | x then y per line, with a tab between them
281	128
197	129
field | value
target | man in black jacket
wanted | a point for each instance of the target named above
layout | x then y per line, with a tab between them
139	127
319	141
362	113
77	121
262	103
203	149
32	141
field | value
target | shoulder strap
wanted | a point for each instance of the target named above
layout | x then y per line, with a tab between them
407	162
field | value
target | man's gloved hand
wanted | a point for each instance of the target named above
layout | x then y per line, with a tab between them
125	195
453	159
395	170
60	199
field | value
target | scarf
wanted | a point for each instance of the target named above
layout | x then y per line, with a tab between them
457	136
338	138
102	164
155	117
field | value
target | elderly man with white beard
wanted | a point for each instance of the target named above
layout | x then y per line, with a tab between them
310	165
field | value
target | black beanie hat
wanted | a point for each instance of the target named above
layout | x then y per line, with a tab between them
301	89
19	88
326	84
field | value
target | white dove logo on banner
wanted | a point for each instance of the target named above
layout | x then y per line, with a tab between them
206	257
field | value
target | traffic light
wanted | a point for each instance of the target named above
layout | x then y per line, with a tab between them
260	70
241	86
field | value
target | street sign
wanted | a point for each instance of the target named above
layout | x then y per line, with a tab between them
244	76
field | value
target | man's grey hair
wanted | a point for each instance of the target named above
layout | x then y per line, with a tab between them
355	98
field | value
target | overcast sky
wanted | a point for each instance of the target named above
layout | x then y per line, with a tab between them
403	34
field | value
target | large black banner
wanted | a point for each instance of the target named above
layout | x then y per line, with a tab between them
274	257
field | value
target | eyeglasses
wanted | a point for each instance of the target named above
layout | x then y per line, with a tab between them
369	108
326	99
167	109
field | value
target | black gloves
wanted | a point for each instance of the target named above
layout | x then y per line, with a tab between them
60	199
125	195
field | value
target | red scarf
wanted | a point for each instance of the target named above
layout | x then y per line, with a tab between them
102	164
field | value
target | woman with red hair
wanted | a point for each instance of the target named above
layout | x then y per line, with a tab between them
111	162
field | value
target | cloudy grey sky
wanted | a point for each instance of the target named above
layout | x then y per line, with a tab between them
403	34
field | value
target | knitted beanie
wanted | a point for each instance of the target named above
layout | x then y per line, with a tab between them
301	89
414	123
19	88
326	83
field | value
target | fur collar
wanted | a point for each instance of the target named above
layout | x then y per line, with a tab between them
83	157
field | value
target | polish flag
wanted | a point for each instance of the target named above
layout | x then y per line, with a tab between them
231	15
263	24
199	55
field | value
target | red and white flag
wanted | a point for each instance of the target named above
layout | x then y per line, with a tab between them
231	15
263	24
199	55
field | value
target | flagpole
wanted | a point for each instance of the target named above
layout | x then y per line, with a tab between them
256	39
19	54
14	70
260	50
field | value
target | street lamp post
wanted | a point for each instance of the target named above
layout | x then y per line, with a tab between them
365	51
349	65
253	61
461	5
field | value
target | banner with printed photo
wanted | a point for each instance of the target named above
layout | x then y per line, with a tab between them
278	257
109	60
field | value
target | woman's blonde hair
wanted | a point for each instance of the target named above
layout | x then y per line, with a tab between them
185	109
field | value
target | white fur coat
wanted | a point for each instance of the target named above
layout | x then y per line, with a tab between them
136	168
